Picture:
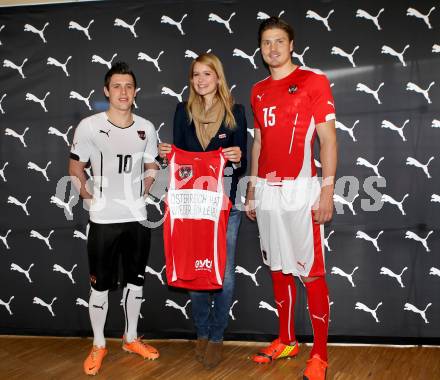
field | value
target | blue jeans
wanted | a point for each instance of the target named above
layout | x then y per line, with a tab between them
210	310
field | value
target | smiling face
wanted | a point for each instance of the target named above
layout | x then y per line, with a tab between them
204	80
121	92
276	48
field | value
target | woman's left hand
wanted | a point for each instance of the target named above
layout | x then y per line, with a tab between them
233	153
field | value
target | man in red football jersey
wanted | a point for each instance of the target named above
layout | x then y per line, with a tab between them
290	107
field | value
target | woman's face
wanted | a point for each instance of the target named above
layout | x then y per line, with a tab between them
204	80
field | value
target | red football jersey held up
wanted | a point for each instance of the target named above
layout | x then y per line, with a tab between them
196	220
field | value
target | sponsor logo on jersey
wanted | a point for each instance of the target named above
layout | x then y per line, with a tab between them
105	132
141	135
222	136
185	171
203	265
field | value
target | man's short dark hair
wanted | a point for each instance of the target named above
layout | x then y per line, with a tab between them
275	23
118	68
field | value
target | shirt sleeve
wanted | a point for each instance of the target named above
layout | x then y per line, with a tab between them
323	104
82	145
150	152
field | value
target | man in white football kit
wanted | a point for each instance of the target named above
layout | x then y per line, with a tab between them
291	107
121	148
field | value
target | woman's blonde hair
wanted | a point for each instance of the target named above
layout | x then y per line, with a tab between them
223	92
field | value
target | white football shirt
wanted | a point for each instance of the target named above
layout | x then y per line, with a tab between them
117	156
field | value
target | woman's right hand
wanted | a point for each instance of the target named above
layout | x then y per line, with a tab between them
164	149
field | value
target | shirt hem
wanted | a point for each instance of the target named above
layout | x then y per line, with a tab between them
110	221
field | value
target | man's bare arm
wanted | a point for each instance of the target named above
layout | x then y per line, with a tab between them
250	192
149	176
76	169
329	159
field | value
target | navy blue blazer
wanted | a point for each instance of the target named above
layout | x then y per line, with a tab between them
185	137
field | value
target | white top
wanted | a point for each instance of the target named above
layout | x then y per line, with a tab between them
117	157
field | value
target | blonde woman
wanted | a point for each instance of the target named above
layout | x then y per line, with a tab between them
210	120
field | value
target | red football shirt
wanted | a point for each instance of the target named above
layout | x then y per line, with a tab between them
286	112
196	220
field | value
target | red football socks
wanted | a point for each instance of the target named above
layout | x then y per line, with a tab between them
285	294
319	310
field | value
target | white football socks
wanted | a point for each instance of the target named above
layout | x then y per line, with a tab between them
131	301
98	306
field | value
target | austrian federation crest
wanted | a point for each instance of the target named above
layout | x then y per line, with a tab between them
185	171
141	135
